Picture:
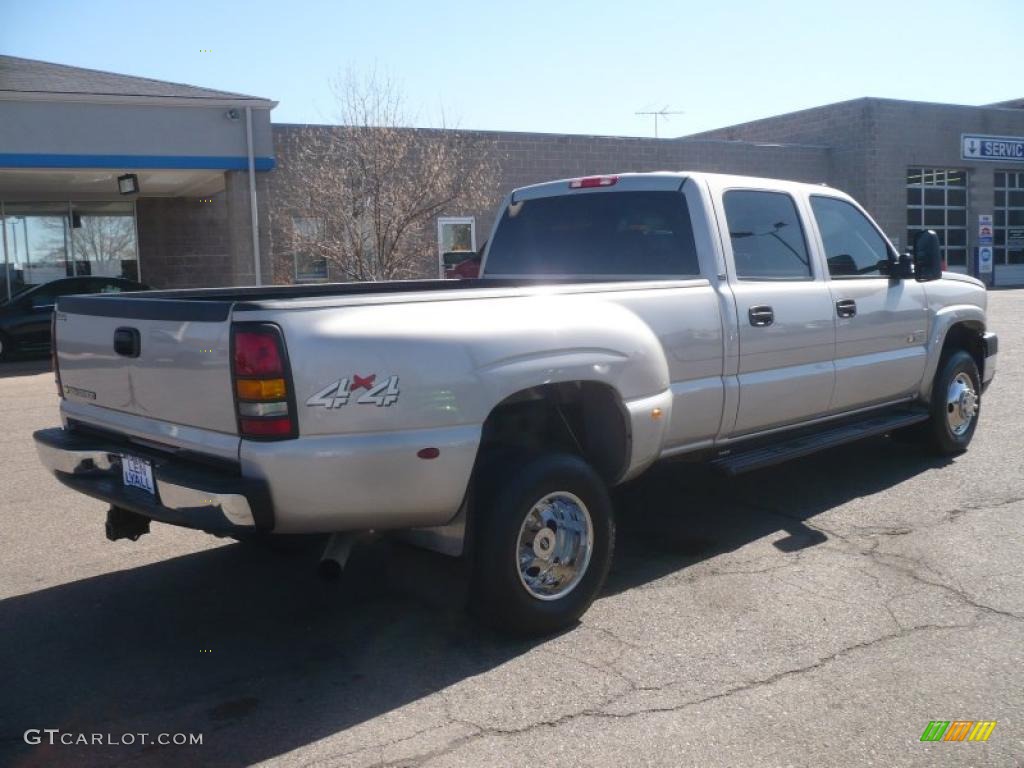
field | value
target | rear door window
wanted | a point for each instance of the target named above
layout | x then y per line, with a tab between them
767	238
620	234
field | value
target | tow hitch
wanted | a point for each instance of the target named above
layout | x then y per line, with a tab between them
124	524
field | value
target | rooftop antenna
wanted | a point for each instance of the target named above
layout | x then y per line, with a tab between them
663	112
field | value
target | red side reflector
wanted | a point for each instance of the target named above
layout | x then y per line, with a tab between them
593	181
265	427
428	453
257	354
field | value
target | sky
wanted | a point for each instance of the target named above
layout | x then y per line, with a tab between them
559	66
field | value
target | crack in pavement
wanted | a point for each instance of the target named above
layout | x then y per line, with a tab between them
667	582
481	731
381	747
912	568
876	557
958	593
850	544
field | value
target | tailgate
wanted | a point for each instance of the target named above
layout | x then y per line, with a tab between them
174	367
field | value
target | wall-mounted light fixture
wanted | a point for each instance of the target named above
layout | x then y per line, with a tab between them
128	184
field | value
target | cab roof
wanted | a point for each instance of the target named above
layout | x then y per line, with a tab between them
668	181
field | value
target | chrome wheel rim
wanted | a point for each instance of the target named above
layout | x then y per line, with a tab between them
555	543
961	404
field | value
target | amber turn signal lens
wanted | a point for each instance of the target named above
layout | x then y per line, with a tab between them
260	389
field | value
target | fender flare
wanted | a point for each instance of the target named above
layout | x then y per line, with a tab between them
968	315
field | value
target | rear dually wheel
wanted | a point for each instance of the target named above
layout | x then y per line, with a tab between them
544	537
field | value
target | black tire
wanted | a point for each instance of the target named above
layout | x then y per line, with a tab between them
6	348
499	596
938	434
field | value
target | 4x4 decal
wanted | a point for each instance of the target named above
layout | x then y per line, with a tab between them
342	391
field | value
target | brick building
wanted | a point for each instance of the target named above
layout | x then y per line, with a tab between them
67	135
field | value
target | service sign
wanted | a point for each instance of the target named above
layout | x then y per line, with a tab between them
996	148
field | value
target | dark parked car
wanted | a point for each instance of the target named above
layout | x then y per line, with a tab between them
25	319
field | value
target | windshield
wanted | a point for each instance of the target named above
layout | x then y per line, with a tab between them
621	234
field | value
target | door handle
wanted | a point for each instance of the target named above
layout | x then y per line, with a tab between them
127	342
846	308
761	315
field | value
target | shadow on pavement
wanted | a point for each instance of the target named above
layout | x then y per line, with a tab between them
247	647
680	514
24	366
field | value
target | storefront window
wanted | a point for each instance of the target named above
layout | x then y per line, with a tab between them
103	240
47	241
1009	218
36	240
937	199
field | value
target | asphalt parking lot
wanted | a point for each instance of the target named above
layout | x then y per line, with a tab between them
817	614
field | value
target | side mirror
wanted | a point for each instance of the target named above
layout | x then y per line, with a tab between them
927	257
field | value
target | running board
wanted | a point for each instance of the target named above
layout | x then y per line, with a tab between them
776	453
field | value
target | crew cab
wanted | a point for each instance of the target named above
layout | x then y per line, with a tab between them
618	321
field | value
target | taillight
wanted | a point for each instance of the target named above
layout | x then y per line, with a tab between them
593	181
264	404
53	352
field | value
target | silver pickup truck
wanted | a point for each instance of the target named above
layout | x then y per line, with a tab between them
619	321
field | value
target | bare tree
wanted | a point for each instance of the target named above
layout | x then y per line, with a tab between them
105	238
363	196
97	239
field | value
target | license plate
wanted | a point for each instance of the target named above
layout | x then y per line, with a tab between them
137	473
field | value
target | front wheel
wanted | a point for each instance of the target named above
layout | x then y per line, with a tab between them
955	403
544	540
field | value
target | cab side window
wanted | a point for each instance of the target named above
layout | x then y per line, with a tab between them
768	240
853	247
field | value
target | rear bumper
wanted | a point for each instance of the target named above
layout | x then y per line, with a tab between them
187	494
991	343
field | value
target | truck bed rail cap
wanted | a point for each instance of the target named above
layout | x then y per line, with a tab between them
144	307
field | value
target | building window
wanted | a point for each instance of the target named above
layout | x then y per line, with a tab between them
937	199
310	264
455	235
1008	218
40	242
